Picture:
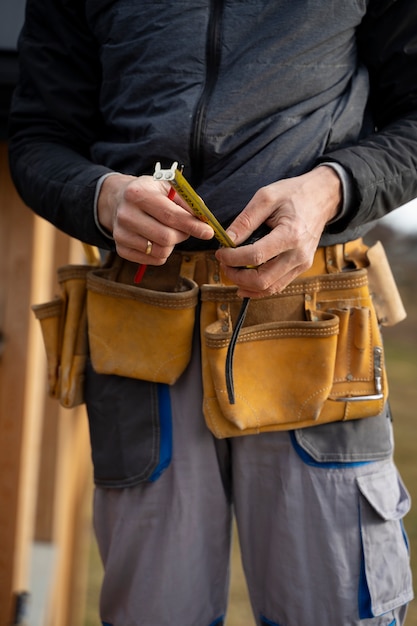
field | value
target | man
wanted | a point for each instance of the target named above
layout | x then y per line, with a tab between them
299	116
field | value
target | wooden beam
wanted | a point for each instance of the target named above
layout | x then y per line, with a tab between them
45	464
16	239
49	462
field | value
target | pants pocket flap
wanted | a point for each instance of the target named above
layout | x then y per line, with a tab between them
385	577
386	494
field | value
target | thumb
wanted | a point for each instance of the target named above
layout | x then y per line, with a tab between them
246	231
242	227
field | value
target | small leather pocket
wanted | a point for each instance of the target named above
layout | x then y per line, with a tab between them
64	328
139	332
51	318
310	355
283	370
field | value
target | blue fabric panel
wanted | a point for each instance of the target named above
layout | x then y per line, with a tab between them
267	622
217	622
364	597
106	624
308	459
165	436
407	543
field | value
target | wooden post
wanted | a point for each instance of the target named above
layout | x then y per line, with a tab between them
17	450
45	466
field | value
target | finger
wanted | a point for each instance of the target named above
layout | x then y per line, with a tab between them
249	281
149	253
152	198
183	219
134	227
273	289
256	213
253	254
267	279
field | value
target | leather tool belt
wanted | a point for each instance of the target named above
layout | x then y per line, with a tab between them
309	355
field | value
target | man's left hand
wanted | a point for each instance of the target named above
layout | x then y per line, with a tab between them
296	210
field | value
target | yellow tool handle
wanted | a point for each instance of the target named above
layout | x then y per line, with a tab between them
176	179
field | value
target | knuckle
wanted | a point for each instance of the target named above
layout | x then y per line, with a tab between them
120	222
264	195
302	256
125	252
304	266
258	258
133	192
116	230
305	259
167	239
296	236
263	283
166	215
245	221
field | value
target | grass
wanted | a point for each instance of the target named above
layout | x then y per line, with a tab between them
401	350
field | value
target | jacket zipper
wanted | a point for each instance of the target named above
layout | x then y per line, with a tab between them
213	51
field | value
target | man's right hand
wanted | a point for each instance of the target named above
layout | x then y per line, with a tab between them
137	212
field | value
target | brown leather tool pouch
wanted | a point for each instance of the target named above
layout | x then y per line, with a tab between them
312	354
64	329
141	331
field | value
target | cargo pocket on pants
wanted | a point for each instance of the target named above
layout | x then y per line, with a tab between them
130	428
385	577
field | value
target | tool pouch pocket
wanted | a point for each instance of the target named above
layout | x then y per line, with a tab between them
138	331
64	329
310	355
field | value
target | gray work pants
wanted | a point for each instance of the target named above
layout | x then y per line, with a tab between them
322	544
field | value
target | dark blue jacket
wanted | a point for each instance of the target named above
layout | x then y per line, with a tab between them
242	93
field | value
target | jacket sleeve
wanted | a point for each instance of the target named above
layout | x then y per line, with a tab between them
54	118
383	165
